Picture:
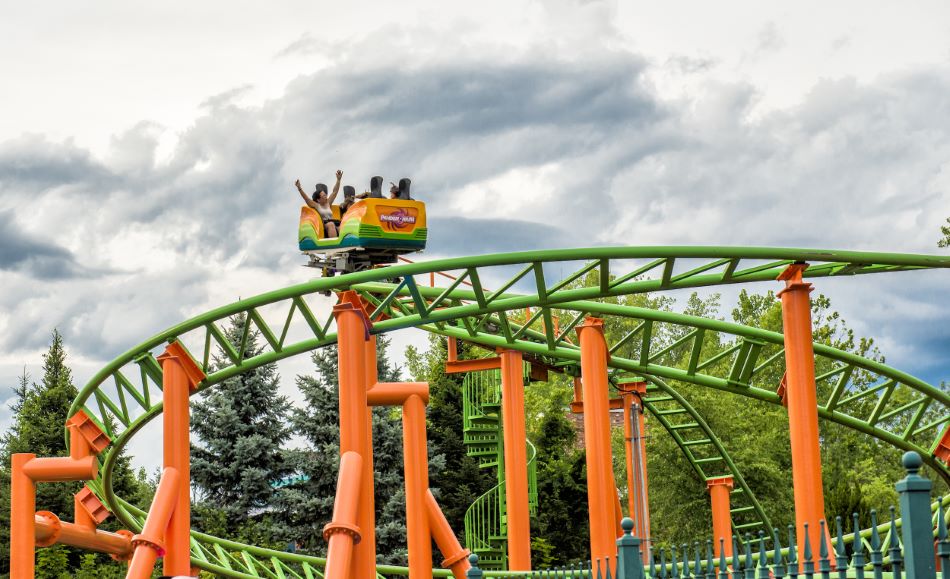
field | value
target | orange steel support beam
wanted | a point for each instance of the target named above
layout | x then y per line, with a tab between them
355	366
49	530
453	350
416	464
396	393
456	556
719	489
600	483
364	555
152	542
180	377
516	460
636	458
802	405
343	533
22	511
477	365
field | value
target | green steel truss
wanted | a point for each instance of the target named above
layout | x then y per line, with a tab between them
904	411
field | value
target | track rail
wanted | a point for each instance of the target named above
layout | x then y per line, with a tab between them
122	396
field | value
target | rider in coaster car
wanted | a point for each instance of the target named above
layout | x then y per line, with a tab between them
321	203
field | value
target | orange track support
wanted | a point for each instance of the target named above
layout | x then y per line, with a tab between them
416	464
516	461
180	377
637	480
354	343
477	365
152	542
22	512
802	405
600	482
343	533
364	555
719	489
50	530
456	556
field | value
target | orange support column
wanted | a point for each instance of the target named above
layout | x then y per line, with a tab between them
634	434
364	555
802	405
352	338
22	513
600	482
152	542
719	489
342	533
180	377
456	556
516	461
416	465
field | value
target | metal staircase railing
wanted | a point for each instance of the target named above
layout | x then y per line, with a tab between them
486	531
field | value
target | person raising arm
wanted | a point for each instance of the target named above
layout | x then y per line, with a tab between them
321	202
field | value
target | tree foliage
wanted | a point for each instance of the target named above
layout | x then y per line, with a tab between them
945	231
240	428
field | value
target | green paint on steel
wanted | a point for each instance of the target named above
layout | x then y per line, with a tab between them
481	316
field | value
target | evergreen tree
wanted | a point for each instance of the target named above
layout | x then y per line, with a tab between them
239	429
306	507
40	413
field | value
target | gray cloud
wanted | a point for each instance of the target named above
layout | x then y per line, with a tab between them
601	160
20	251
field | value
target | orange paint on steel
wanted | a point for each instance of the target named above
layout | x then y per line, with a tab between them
79	448
49	530
456	556
600	482
516	460
353	340
719	489
396	393
802	405
416	465
61	469
637	481
22	511
342	533
152	542
453	350
476	365
645	504
364	555
180	377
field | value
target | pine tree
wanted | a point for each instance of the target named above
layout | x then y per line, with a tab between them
40	413
308	506
239	428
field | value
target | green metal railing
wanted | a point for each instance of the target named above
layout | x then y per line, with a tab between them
486	531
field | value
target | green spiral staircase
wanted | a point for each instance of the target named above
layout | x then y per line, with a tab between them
486	528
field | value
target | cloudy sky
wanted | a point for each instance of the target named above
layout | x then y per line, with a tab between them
147	151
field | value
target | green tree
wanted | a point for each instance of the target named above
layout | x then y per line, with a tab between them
239	429
945	231
40	413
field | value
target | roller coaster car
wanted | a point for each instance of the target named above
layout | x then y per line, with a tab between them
373	231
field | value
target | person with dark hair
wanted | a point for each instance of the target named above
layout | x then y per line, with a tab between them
320	202
349	198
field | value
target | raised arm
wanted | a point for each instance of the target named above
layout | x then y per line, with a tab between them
336	186
306	199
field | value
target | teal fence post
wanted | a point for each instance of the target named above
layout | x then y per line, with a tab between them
629	563
917	528
474	572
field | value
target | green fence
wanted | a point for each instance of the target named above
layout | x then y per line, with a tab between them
917	548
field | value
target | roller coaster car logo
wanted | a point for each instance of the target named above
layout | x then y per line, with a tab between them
398	219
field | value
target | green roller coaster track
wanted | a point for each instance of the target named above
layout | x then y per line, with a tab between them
857	392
